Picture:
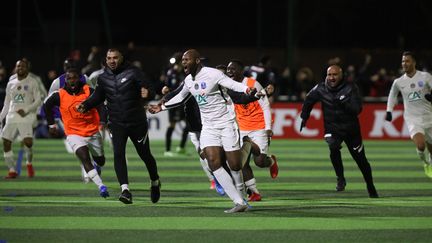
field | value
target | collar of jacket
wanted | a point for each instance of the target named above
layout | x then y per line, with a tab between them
119	69
337	88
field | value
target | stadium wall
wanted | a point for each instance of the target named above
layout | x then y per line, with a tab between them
286	123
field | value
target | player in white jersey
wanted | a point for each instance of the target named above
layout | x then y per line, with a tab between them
43	93
92	80
20	105
39	82
220	131
413	86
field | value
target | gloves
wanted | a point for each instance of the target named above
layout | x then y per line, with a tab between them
388	116
428	97
303	124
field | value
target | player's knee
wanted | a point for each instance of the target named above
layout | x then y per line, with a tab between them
334	147
214	165
333	144
235	167
7	145
421	146
28	143
235	164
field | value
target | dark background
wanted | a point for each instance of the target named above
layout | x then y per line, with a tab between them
47	31
220	23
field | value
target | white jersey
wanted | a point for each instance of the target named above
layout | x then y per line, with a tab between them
92	80
21	94
212	101
41	86
39	82
417	109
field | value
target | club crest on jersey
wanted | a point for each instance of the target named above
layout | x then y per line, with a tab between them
19	87
196	86
203	85
26	88
420	83
412	86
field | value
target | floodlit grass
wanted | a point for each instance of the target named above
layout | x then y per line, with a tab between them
301	205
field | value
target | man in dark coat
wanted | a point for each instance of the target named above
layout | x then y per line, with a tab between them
341	104
125	89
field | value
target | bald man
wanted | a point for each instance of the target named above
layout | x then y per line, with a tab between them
341	104
220	132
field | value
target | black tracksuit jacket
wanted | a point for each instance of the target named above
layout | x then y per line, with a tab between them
340	106
122	90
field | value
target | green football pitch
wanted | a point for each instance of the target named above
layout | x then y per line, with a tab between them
301	205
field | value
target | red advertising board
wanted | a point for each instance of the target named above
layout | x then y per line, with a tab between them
286	122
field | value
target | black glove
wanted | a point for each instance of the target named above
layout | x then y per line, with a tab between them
388	116
428	97
303	124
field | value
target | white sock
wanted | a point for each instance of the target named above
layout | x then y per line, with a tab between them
83	172
251	184
95	177
226	182
9	160
124	187
422	156
238	181
29	154
206	169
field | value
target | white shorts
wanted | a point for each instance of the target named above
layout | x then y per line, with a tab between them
194	137
414	128
227	137
94	143
12	130
259	137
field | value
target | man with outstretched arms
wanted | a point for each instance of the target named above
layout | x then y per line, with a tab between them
220	131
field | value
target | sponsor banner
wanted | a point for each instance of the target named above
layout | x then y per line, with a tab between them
158	124
286	122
